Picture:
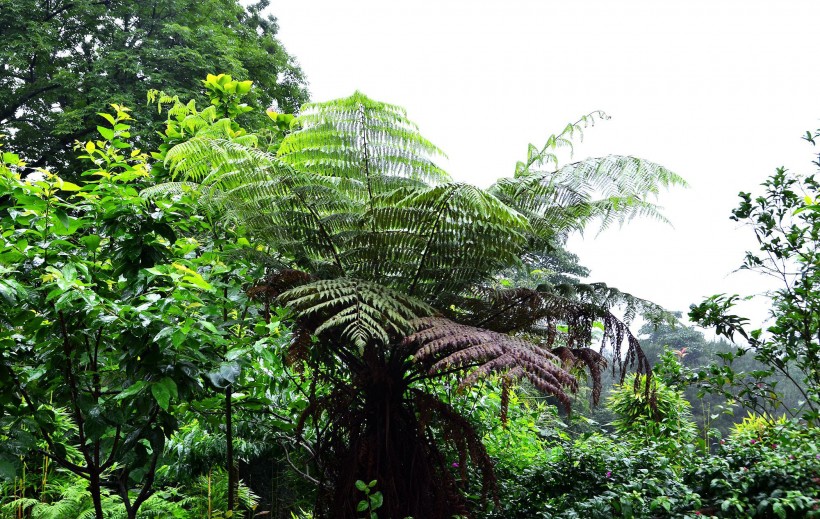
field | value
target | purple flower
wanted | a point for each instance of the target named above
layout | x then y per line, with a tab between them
455	464
609	473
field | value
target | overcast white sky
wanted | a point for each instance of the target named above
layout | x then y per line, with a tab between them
719	91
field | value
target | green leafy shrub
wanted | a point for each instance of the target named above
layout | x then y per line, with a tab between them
657	416
595	477
773	471
543	473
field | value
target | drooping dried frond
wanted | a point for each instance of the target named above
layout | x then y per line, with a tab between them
519	309
566	315
608	189
460	433
445	346
585	358
606	297
358	312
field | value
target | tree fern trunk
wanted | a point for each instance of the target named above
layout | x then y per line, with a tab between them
393	448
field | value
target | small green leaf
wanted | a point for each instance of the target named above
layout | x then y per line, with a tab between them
91	241
107	133
243	87
10	158
209	326
68	186
107	117
131	390
361	485
8	468
163	391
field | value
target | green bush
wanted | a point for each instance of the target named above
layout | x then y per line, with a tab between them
659	417
773	474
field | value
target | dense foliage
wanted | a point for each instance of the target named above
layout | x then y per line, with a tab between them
65	60
786	223
253	313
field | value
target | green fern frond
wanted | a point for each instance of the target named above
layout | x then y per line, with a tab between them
359	312
73	500
608	189
442	238
169	190
357	137
218	162
545	155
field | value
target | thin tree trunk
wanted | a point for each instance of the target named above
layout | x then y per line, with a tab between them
96	493
229	441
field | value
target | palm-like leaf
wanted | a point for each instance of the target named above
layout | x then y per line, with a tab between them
358	138
436	240
608	189
357	312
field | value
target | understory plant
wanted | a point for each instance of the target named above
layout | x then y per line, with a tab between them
767	468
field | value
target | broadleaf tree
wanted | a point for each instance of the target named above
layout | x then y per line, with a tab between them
111	316
785	220
65	60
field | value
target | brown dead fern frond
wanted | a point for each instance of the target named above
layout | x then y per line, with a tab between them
587	359
443	346
460	433
578	310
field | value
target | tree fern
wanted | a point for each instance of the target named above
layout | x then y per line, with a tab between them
354	199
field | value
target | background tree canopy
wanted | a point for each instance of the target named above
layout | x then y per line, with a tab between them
64	61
